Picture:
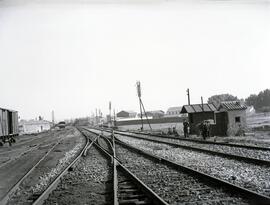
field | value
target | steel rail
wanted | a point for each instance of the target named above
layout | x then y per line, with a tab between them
222	154
196	140
16	186
40	200
115	179
88	147
254	197
117	165
201	141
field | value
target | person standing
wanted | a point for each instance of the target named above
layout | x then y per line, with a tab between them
205	130
185	126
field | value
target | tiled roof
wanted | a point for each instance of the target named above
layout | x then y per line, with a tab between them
198	108
232	105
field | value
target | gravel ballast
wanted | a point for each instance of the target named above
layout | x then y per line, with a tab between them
257	154
250	176
57	159
90	182
173	186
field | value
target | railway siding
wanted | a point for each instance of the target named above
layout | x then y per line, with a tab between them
239	151
252	177
48	168
255	197
89	183
173	186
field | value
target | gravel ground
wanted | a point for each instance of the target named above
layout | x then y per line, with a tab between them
90	182
173	186
253	177
49	168
258	154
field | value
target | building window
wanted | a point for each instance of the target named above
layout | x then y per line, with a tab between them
237	119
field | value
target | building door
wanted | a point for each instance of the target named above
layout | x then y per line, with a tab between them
10	124
221	123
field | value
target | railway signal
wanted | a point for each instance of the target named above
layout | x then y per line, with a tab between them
139	92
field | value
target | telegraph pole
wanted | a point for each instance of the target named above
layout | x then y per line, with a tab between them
110	108
202	103
188	96
114	121
96	117
53	118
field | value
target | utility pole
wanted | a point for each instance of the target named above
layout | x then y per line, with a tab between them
96	117
114	121
139	92
188	96
53	118
202	103
110	117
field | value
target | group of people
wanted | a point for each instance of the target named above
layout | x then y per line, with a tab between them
204	129
172	131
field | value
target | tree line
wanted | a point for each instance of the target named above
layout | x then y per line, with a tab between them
260	101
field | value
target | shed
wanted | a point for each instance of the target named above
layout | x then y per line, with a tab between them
126	114
153	114
174	111
197	113
231	118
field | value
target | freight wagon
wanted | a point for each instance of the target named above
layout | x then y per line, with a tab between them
8	125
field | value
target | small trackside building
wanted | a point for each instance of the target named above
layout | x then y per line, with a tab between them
153	114
230	118
126	114
174	112
198	113
34	126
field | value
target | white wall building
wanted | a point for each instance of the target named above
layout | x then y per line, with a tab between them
34	126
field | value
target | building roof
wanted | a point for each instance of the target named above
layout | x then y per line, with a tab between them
156	111
170	109
196	108
232	105
8	109
34	122
127	111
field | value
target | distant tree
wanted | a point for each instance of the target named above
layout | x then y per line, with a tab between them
261	102
251	100
217	99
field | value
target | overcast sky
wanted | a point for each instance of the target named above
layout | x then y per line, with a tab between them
75	57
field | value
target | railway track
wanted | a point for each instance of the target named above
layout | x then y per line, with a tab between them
251	176
22	191
39	199
180	184
95	171
127	188
6	197
181	138
258	155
